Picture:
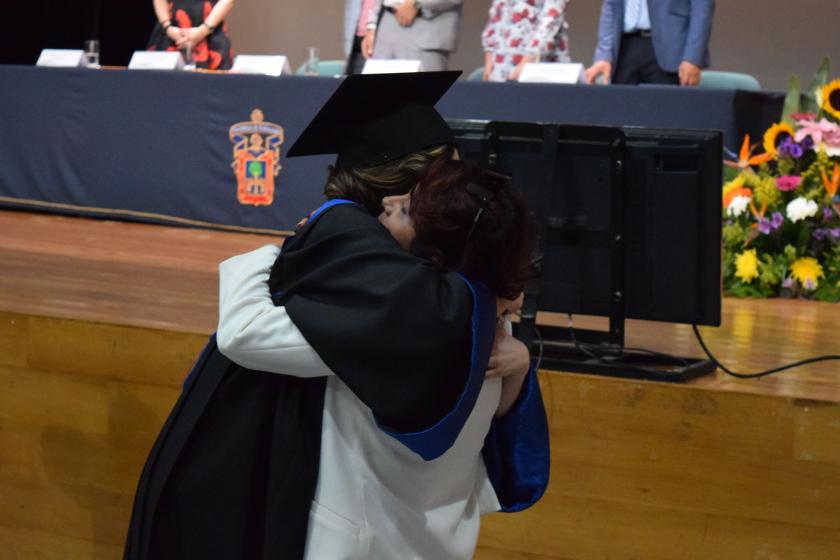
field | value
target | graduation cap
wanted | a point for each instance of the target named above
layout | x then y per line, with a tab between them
372	119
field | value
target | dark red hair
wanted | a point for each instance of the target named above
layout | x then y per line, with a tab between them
497	249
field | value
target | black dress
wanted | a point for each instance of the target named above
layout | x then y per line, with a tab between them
214	52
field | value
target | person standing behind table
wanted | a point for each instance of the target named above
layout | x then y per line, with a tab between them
520	32
652	42
424	30
357	21
197	24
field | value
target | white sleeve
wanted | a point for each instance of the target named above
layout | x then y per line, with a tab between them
252	331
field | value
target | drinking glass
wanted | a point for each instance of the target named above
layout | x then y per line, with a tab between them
92	53
189	61
311	66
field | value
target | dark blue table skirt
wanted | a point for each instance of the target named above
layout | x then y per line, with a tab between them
156	146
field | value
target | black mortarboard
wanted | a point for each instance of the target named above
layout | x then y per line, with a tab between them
372	119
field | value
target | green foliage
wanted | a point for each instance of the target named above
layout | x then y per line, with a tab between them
734	235
819	80
766	192
772	270
793	99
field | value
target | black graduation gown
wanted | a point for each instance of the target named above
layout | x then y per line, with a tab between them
233	472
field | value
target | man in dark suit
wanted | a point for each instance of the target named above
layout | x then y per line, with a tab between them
652	41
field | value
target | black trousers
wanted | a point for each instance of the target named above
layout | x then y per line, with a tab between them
355	62
637	63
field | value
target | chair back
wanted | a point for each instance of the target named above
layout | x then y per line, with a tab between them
328	68
476	75
714	79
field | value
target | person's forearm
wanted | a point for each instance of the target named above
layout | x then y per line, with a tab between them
252	331
162	11
219	13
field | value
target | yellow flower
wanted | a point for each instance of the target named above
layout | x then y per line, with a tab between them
831	98
774	136
807	271
746	266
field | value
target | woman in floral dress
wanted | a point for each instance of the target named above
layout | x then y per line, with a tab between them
522	31
197	25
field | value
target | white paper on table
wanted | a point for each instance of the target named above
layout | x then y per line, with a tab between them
156	60
62	58
390	66
267	64
552	72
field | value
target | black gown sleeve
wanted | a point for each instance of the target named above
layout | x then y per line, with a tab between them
396	330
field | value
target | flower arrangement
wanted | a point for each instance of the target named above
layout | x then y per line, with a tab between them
781	233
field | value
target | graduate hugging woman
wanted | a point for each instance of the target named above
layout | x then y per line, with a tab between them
363	396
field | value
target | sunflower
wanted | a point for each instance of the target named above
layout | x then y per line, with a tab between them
775	135
746	266
831	98
807	271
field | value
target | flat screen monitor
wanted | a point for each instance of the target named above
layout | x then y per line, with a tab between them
663	187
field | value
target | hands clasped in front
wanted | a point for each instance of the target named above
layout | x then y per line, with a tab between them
187	37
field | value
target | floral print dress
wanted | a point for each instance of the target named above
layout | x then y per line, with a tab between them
214	52
519	27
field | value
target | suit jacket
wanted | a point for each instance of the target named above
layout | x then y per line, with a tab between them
352	10
680	29
436	28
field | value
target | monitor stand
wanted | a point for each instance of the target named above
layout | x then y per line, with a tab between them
587	351
595	352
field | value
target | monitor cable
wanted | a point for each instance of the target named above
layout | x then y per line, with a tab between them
717	363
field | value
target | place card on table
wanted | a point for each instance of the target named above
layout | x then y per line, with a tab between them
390	66
270	65
552	72
62	58
156	60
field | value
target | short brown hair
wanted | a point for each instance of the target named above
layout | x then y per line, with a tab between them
496	249
368	186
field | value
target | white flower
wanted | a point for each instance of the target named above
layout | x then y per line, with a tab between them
800	208
830	149
738	205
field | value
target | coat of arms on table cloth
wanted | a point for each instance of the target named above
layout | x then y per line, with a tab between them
256	158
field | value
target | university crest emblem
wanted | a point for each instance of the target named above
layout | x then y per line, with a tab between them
256	158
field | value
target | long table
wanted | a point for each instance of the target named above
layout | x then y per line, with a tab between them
182	147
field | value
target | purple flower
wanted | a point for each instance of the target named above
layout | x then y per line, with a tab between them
784	147
796	150
764	226
827	213
819	234
809	284
807	143
788	283
776	220
834	233
788	182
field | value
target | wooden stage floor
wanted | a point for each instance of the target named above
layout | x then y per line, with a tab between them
166	278
100	320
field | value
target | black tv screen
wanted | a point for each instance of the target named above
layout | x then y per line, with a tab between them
661	188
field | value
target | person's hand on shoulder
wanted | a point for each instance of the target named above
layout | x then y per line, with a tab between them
510	357
598	68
